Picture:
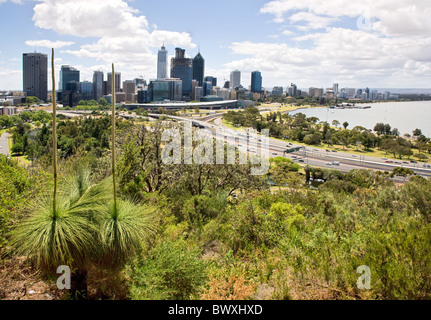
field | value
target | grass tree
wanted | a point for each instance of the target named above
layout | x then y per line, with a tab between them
59	231
124	225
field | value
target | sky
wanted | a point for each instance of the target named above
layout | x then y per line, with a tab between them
358	44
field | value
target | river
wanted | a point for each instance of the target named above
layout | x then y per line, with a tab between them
405	116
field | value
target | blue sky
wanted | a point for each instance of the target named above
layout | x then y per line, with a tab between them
374	43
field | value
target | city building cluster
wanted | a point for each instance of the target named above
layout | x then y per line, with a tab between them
184	80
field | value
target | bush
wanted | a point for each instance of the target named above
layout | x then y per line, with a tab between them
171	271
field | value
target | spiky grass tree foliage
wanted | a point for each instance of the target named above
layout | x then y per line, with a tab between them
124	225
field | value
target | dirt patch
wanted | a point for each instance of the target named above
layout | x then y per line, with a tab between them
19	281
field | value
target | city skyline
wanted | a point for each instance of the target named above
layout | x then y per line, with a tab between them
356	45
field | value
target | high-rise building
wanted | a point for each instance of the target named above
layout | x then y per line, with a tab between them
69	79
129	89
199	93
97	85
256	82
207	86
226	85
35	75
86	90
292	91
235	79
211	79
335	88
175	89
277	91
181	68
117	82
158	90
195	84
315	92
162	63
198	66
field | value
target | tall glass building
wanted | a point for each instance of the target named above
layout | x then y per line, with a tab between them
35	75
162	63
235	79
97	85
158	90
256	82
181	68
69	79
117	82
198	68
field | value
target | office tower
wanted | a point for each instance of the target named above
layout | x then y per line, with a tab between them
277	91
223	93
69	78
35	75
359	93
367	91
129	89
211	79
97	85
195	84
235	79
315	92
335	88
158	90
198	66
226	85
162	63
117	82
256	82
206	86
198	93
86	90
175	89
292	91
181	68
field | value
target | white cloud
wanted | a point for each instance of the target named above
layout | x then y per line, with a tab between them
122	32
48	43
389	17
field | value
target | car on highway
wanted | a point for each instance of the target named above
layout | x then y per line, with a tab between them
384	158
334	151
294	157
335	163
328	150
397	162
275	153
329	164
389	161
426	165
405	162
412	161
301	160
354	156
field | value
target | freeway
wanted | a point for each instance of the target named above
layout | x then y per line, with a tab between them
307	155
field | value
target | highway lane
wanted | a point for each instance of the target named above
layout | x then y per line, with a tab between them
309	155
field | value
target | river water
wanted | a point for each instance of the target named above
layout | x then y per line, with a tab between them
405	116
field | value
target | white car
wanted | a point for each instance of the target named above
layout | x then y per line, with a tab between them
335	163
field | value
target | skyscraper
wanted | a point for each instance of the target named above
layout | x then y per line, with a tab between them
235	79
162	63
256	82
129	88
117	82
211	79
97	85
35	75
181	68
69	78
198	66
